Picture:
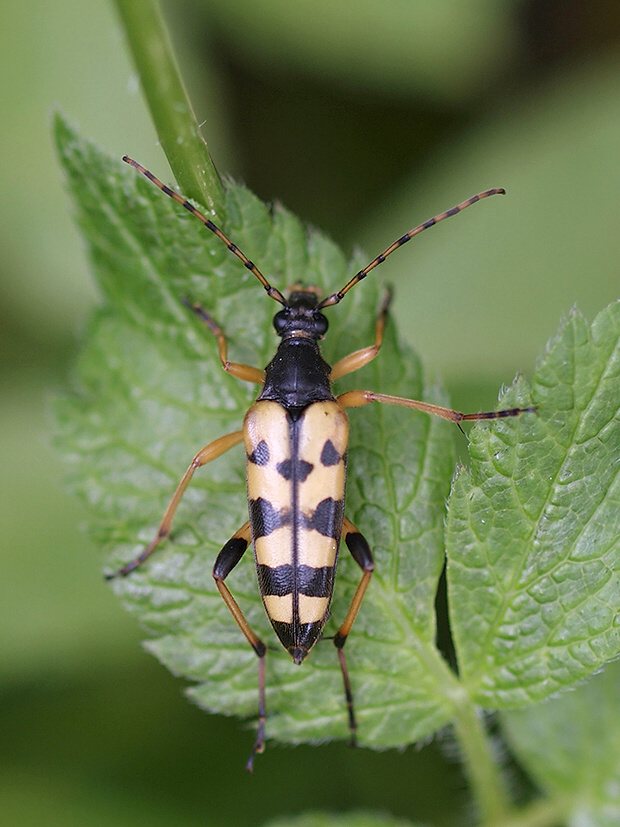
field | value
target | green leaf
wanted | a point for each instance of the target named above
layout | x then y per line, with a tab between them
149	392
533	533
571	749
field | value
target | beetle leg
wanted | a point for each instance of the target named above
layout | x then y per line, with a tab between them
226	560
245	372
361	553
356	360
209	452
356	399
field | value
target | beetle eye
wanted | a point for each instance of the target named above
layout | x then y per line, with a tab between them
280	321
320	324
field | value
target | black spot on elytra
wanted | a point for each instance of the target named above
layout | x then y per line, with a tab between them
329	455
264	517
260	455
298	638
315	582
301	469
277	580
327	518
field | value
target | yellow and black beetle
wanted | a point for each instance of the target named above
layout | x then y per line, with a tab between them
296	437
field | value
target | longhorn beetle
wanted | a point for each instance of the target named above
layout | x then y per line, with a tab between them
295	437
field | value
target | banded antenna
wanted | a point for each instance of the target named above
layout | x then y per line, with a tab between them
338	297
335	298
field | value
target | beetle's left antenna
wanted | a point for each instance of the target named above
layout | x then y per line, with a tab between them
338	297
273	292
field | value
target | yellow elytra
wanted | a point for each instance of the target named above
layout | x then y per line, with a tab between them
296	470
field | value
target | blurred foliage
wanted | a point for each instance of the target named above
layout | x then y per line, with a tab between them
91	738
573	744
447	50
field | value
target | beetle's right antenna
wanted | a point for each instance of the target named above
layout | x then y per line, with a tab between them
272	292
338	297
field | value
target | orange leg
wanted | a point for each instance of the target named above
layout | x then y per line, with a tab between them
356	399
356	360
245	372
208	453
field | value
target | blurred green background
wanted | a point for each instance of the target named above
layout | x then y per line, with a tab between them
364	118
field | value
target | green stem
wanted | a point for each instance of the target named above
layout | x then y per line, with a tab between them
480	762
541	813
171	110
481	765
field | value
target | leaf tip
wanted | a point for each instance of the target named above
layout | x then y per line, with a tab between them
64	133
